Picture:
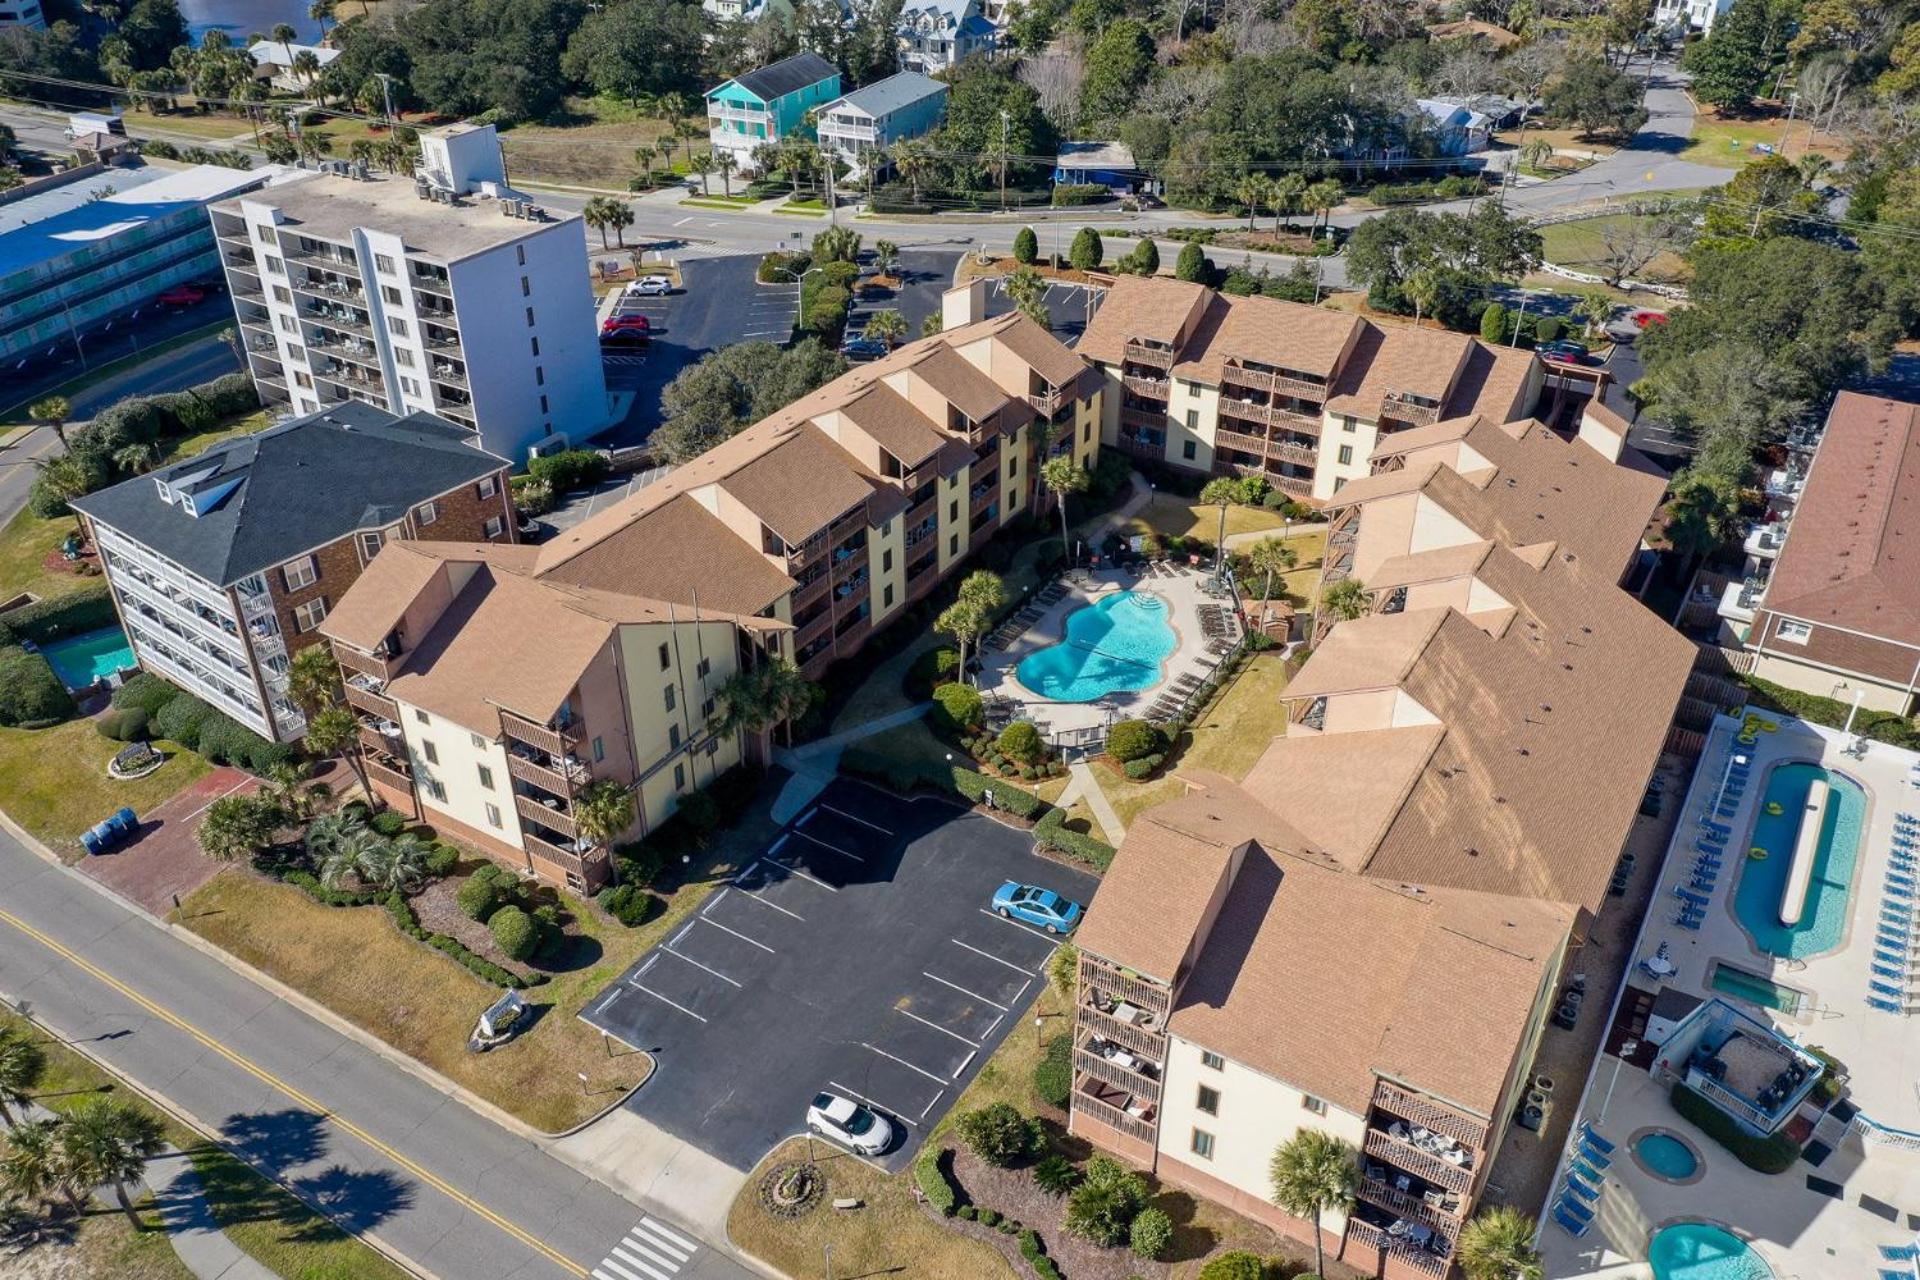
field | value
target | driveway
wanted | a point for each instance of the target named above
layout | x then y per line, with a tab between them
856	956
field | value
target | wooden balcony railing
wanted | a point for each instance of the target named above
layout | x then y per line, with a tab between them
374	740
1420	1163
565	858
1276	383
1141	353
1387	1246
1298	454
982	502
1402	409
365	663
1103	977
1142	448
1110	1072
1047	403
1151	388
919	511
806	553
812	591
1113	1117
813	630
1407	1205
1298	486
555	742
846	566
558	819
390	772
562	782
1255	445
1134	1039
1466	1130
1152	419
373	703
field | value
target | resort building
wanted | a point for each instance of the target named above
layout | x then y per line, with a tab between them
1459	772
861	126
93	244
491	698
934	35
223	566
766	105
1832	606
446	293
803	534
1301	395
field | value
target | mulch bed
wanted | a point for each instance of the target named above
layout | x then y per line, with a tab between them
439	912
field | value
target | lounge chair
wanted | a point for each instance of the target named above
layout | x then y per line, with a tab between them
1582	1190
1575	1207
1690	923
1688	895
1595	1157
1581	1166
1568	1223
1887	989
1591	1136
1884	1006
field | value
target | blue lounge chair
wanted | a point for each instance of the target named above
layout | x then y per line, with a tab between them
1688	895
1591	1136
1582	1190
1690	923
1568	1223
1899	1252
1721	829
1893	973
1577	1208
1887	989
1584	1165
1884	1006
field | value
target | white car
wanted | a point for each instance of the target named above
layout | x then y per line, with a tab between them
651	286
846	1121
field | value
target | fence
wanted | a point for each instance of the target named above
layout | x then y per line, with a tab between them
1871	1130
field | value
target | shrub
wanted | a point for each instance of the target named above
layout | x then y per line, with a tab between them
966	1212
442	859
532	497
1191	265
1026	247
1086	251
1021	741
974	787
958	706
181	718
88	609
841	275
1493	323
1052	833
220	738
989	1218
124	724
1238	1265
1775	1154
1145	258
1102	1208
1151	1234
701	812
1036	1255
930	1175
630	904
515	931
1056	1175
782	268
1132	739
1073	195
1053	1075
568	469
1144	766
997	1133
1547	329
144	692
389	822
479	898
637	864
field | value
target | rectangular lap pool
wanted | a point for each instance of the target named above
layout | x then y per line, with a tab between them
1754	989
81	660
1763	877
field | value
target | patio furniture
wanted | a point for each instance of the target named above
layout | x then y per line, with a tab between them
1568	1222
1591	1137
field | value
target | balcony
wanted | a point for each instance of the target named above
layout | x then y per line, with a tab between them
846	565
1391	1246
809	592
1765	540
364	663
921	512
548	813
814	629
1466	1130
555	740
806	554
1421	1163
1431	1209
384	737
1152	450
1235	375
1297	454
1255	445
449	375
1152	356
365	695
1113	1068
981	501
1140	1127
1740	600
1403	408
1141	1037
583	859
389	771
1295	486
338	318
1150	388
329	290
557	774
1102	977
1047	403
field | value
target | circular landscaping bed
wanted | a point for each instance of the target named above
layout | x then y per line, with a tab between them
791	1190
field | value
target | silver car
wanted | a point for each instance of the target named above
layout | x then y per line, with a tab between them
847	1122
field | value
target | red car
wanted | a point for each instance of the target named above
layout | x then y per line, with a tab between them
625	325
183	295
1645	318
1561	357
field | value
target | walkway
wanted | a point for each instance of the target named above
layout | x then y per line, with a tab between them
1084	785
814	765
191	1230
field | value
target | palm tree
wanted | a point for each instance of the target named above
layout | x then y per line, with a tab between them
702	164
1287	195
913	160
757	698
1423	290
335	730
1253	191
619	217
330	833
1028	289
313	679
885	254
107	1140
67	478
360	151
1222	493
139	457
603	811
284	787
306	65
283	33
724	161
313	145
596	214
1346	600
887	326
54	411
1063	476
1498	1245
644	154
1322	198
356	852
320	11
398	865
1271	557
21	1065
981	594
32	1167
1312	1172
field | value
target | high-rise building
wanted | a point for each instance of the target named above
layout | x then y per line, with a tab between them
447	292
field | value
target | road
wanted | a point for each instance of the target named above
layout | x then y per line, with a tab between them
380	1149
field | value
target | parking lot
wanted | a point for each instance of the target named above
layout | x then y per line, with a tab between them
857	955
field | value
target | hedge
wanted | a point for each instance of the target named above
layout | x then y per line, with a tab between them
1075	194
514	932
930	1175
88	609
958	706
1132	739
1881	726
1775	1154
782	268
1036	1255
568	469
145	692
31	695
1053	1074
1053	833
630	904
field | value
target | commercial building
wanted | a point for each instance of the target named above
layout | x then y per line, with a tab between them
1459	771
99	243
1106	164
796	538
224	566
1838	607
935	35
446	293
863	124
1301	395
766	105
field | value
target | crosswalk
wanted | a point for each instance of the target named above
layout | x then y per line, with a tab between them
649	1252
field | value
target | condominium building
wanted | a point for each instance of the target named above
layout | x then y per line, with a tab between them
93	244
446	293
1830	605
861	126
22	13
796	538
224	566
765	105
1458	774
1255	386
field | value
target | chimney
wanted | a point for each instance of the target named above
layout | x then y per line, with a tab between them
963	304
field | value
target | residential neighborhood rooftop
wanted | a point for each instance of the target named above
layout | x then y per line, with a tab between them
789	75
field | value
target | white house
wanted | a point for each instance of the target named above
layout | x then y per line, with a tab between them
936	34
273	60
1696	15
1460	129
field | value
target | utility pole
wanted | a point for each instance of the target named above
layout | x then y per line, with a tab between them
1005	156
1514	339
386	94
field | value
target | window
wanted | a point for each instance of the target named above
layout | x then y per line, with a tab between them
390	295
370	544
282	294
276	266
384	265
479	744
886	597
493	814
309	615
539	376
429	512
1193	419
544	409
300	573
1795	632
953	511
1013	465
1346	424
1212	1061
494	527
886	560
428	750
303	379
1203	1144
679	777
409	386
536	345
953	544
599	750
706	708
673	737
1208	1100
1086	433
488	487
1189	451
520	253
668	691
265	235
297	354
1316	1105
287	325
1346	453
403	357
436	789
666	655
486	777
422	716
704	669
529	317
396	326
526	287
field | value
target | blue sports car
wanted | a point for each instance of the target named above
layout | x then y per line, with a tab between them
1042	908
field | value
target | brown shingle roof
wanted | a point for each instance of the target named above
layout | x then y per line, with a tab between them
678	551
1154	309
1400	360
959	382
1371	656
1267	331
800	485
1493	382
895	425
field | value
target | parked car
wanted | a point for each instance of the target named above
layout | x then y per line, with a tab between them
183	295
1645	318
1042	908
625	324
1562	357
845	1121
862	348
624	339
651	286
1568	345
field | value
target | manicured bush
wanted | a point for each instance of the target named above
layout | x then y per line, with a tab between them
1144	767
989	1218
1053	1076
88	609
1026	247
1151	1234
782	268
997	1133
123	724
180	720
145	692
1102	1208
930	1175
1036	1255
1547	329
841	275
1192	265
1056	1175
1144	260
1132	739
1020	741
568	469
966	1213
480	897
515	931
630	904
1073	195
974	786
1238	1265
1775	1154
1086	251
220	738
957	707
1493	323
1052	832
389	822
442	859
637	864
700	811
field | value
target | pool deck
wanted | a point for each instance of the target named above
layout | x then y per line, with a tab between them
1869	1192
1184	596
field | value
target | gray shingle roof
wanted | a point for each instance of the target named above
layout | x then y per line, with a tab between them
294	487
891	94
789	75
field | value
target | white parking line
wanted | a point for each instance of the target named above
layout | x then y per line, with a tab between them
804	876
663	1000
1041	934
831	848
862	821
778	845
993	1026
903	1062
936	1097
765	902
878	1106
988	954
937	1027
962	990
736	933
668	948
613	995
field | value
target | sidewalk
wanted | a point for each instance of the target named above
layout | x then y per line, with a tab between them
815	764
1086	786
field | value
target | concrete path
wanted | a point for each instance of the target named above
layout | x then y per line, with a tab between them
815	764
1086	786
183	1206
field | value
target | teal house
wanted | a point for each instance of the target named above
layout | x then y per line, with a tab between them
768	104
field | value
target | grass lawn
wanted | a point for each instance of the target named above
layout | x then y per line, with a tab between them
734	205
200	442
594	147
1176	517
1729	141
1582	246
1562	139
213	127
104	1243
267	1223
54	781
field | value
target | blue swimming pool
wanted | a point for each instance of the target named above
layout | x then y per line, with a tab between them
1667	1156
1699	1251
81	660
1119	642
1763	880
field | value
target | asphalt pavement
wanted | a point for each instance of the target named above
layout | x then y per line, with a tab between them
380	1149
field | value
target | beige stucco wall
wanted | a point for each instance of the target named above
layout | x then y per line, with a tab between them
954	489
1807	678
461	753
1336	432
649	717
887	545
1202	403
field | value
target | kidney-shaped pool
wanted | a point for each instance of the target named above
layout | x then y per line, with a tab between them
1120	642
